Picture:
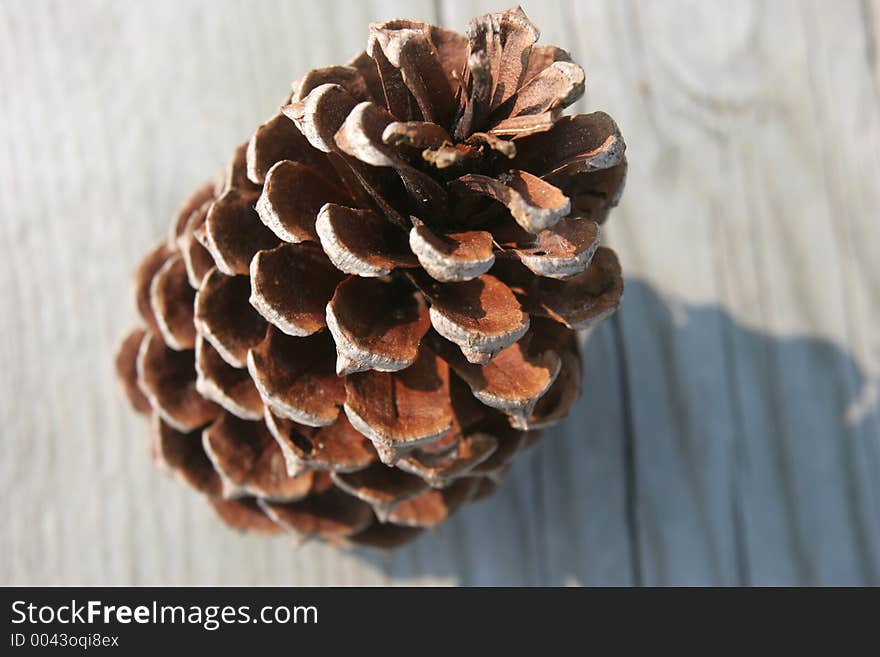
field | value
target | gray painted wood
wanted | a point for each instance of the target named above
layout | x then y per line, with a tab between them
729	431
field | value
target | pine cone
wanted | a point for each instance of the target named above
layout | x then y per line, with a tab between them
355	329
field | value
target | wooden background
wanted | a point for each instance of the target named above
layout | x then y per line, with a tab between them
729	432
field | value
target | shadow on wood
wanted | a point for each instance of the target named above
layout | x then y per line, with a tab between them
680	465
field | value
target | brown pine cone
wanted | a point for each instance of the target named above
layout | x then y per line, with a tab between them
352	333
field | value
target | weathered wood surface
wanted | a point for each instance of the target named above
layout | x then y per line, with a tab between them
729	431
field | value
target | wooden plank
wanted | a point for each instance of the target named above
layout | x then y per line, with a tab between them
746	470
679	404
831	279
802	499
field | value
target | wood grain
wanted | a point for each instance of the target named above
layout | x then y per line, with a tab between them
729	431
